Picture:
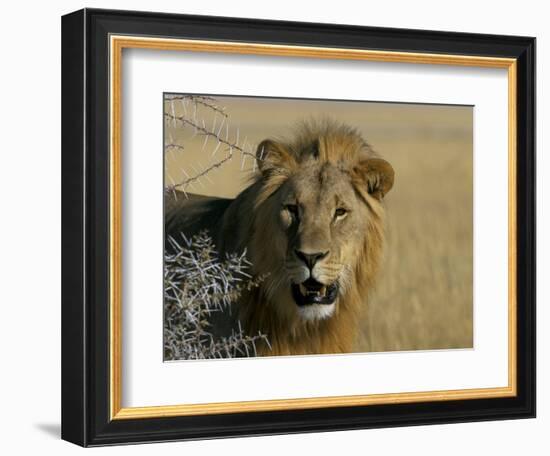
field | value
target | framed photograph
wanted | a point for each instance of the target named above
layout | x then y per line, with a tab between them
279	227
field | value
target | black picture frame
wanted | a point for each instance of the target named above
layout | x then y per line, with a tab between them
85	228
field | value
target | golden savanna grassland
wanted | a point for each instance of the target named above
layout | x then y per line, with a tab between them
423	299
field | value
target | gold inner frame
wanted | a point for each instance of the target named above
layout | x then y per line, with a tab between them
117	44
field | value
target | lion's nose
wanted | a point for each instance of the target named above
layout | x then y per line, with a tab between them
310	258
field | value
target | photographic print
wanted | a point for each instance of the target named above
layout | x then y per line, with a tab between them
307	227
248	200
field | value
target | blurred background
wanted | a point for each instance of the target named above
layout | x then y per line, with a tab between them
424	295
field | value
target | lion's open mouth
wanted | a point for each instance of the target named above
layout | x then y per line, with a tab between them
313	292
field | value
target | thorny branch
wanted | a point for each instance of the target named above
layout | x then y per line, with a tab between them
197	285
200	128
208	102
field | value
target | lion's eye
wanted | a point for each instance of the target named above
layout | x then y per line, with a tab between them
292	208
340	212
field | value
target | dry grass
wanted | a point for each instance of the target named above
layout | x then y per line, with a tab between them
424	296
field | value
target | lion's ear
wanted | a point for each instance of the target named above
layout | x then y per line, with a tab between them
273	157
377	174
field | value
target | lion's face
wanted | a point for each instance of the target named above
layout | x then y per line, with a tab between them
317	221
316	224
321	222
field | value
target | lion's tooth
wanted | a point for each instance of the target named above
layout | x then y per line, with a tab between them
303	290
323	291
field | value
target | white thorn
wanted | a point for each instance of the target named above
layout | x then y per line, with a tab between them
242	161
204	143
215	149
221	125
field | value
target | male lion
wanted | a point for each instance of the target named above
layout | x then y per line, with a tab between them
311	223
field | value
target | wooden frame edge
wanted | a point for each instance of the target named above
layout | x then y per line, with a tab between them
115	235
116	45
512	227
308	403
